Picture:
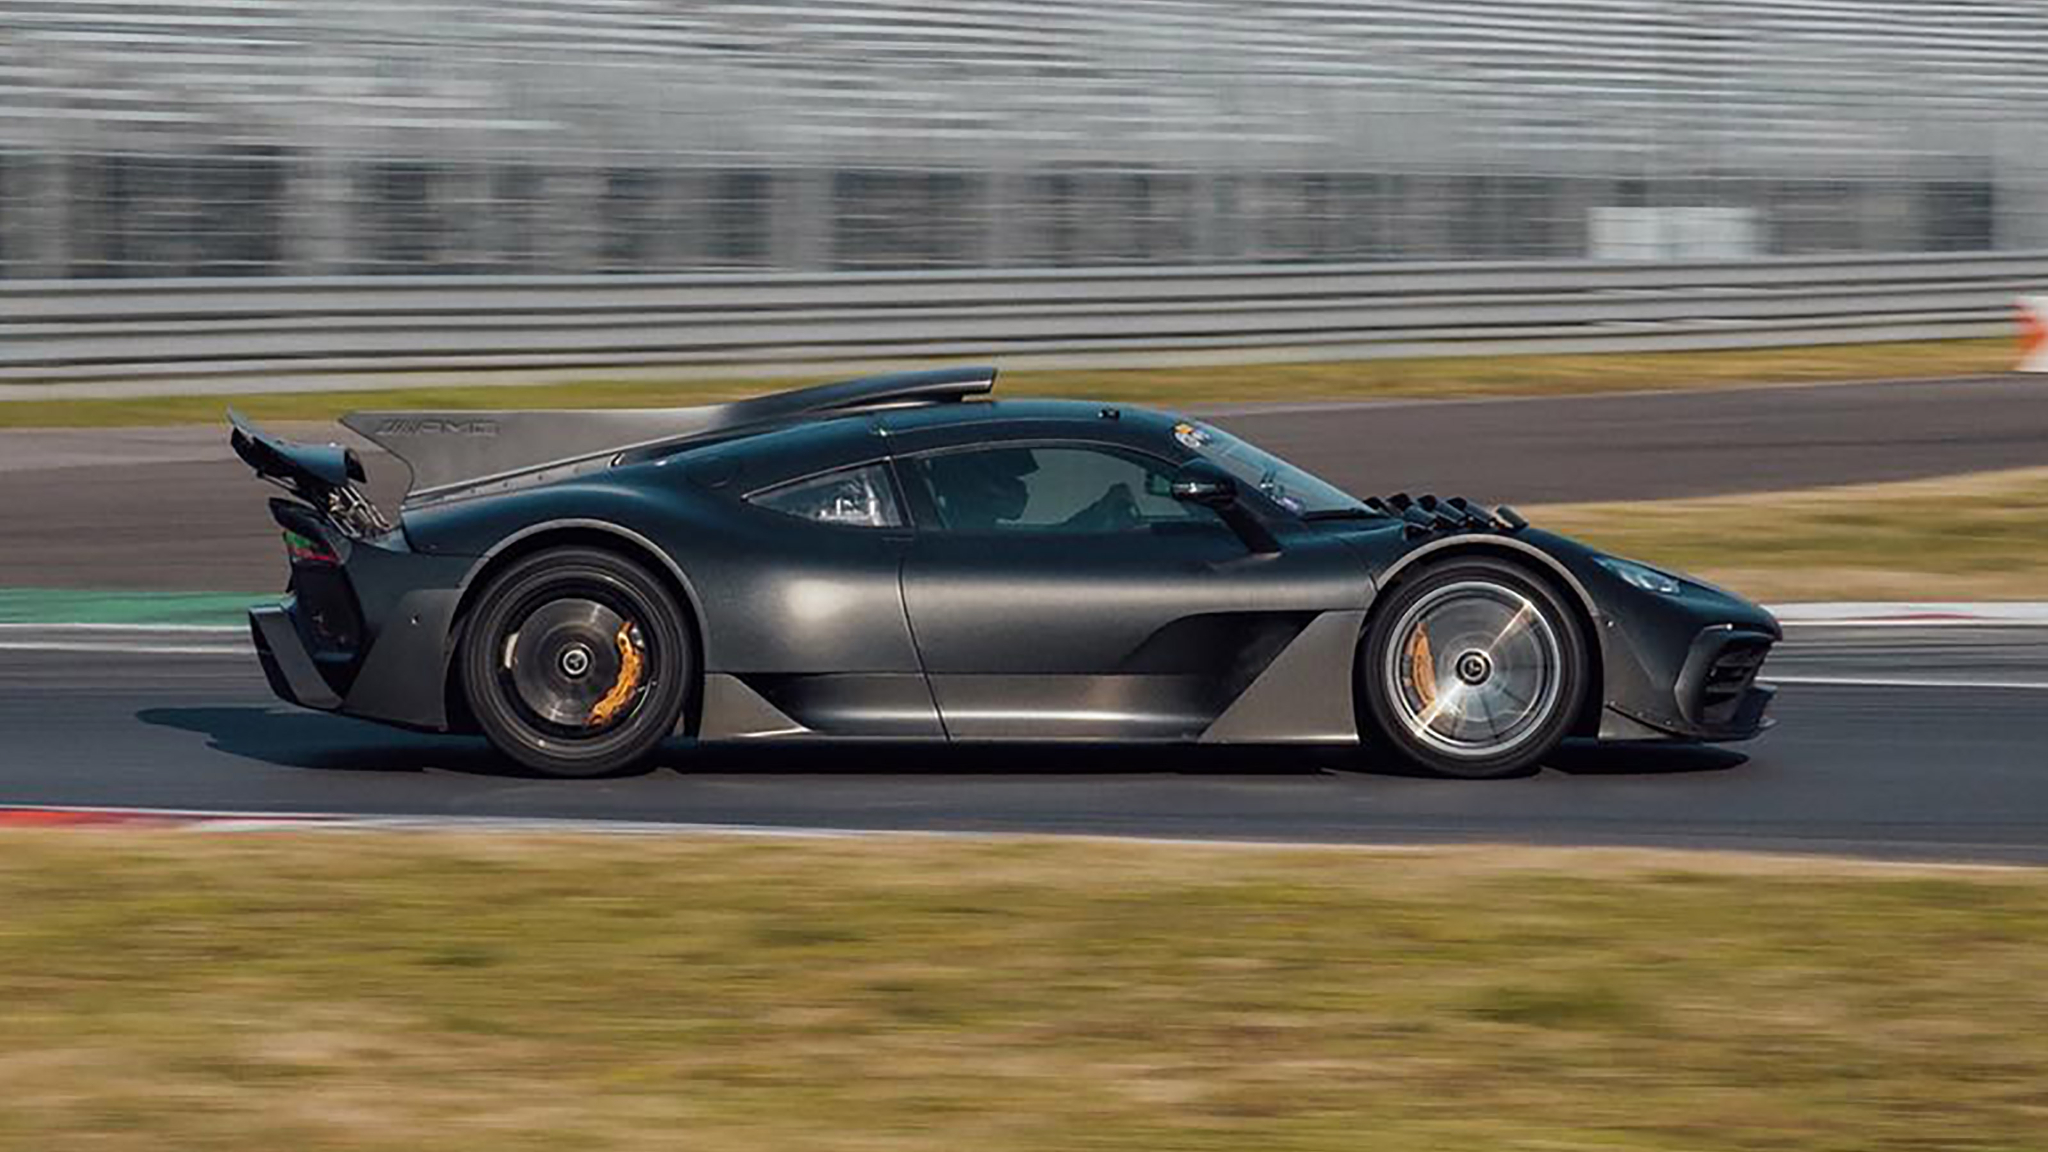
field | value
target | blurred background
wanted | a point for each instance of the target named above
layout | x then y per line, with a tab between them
324	137
1609	230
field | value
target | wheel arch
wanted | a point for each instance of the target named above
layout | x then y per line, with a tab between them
600	534
1539	565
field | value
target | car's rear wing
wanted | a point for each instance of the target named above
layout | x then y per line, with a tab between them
453	450
323	475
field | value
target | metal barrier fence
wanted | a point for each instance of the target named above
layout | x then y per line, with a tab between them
186	329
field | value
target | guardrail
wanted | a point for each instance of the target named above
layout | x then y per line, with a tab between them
169	329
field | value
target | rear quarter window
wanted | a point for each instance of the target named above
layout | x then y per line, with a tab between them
860	497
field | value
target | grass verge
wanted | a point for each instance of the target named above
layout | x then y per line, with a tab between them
1982	536
450	992
1535	375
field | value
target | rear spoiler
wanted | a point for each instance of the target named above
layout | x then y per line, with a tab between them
323	475
302	467
452	450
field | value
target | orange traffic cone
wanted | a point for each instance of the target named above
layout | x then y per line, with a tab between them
2033	334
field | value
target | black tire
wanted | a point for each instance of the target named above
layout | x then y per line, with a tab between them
1494	682
545	667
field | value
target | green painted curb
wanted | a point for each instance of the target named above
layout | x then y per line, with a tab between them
82	606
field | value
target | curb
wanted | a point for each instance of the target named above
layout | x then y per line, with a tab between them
243	823
1899	613
79	816
64	816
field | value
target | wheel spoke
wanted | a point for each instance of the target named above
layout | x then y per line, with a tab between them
1475	669
1450	700
1520	618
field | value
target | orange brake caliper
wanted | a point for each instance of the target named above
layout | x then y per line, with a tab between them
628	682
1422	668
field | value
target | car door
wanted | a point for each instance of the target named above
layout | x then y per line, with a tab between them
805	601
1057	590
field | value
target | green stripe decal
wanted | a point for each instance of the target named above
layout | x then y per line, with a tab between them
84	606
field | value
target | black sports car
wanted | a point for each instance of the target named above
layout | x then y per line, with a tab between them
901	558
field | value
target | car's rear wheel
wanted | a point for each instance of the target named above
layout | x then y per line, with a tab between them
1473	668
576	662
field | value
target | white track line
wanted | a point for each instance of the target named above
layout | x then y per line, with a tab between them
128	639
1909	682
124	649
144	629
1912	613
1908	622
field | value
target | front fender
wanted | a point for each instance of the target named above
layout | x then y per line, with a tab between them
1659	654
1666	654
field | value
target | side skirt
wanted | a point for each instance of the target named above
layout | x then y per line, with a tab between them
733	711
836	706
1304	696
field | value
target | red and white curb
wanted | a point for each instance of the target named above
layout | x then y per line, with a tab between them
213	820
239	822
203	820
69	817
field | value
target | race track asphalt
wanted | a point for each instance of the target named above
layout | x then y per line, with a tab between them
171	509
1868	766
1894	742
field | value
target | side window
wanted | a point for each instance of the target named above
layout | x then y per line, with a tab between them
859	497
1060	489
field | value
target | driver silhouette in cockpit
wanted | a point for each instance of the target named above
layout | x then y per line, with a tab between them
978	491
984	491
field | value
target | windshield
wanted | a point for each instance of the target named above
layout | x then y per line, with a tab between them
1293	489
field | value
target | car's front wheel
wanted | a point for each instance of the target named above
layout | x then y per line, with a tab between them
576	662
1473	668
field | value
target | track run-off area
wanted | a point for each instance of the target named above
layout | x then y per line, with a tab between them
1904	738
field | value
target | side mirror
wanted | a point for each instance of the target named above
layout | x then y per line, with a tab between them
1201	482
1207	485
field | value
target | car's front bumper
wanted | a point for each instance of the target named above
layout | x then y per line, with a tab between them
1714	696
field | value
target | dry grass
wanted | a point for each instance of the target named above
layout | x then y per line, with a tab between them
1360	379
168	990
1982	536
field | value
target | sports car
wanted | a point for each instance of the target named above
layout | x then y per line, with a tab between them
905	558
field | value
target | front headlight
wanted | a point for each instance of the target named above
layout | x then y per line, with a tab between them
1639	575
